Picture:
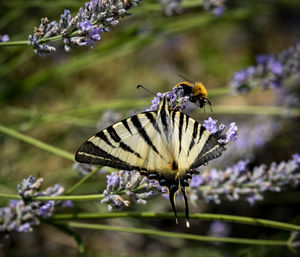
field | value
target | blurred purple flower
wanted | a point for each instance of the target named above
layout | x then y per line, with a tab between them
217	7
296	158
270	71
196	181
252	135
4	38
22	215
46	209
219	10
231	134
254	198
171	7
84	28
219	229
238	181
26	227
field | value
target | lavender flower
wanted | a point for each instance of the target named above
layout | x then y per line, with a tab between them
231	134
4	38
218	229
82	168
107	118
84	29
270	71
22	215
251	136
238	181
171	7
217	7
132	184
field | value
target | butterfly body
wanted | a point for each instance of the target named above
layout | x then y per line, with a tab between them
165	145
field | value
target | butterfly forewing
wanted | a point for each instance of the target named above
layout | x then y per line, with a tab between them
133	143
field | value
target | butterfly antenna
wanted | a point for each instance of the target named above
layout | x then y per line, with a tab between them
172	191
185	78
140	86
186	206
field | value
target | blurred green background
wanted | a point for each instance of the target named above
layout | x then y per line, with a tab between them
59	99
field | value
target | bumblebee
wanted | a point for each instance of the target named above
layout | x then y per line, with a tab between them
196	91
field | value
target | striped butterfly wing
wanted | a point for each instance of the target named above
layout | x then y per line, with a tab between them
193	145
131	144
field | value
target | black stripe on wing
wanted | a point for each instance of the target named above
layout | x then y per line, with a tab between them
181	120
127	148
125	123
113	134
195	133
102	136
211	150
90	153
136	122
186	121
164	116
152	119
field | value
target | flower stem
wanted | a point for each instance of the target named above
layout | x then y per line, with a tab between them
37	143
169	215
56	198
143	231
257	110
80	182
15	43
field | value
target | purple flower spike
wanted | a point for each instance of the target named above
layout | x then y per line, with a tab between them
23	215
112	179
231	134
211	125
275	67
45	209
83	29
218	11
24	228
85	25
135	186
238	181
196	181
270	71
95	34
216	7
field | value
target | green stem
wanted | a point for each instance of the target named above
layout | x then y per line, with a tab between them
143	231
56	198
80	182
257	110
200	216
37	143
15	43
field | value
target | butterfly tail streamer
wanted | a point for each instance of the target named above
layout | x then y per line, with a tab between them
172	192
186	206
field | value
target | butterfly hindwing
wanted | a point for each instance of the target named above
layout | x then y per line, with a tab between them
194	145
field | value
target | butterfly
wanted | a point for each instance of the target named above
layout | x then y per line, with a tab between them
165	145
